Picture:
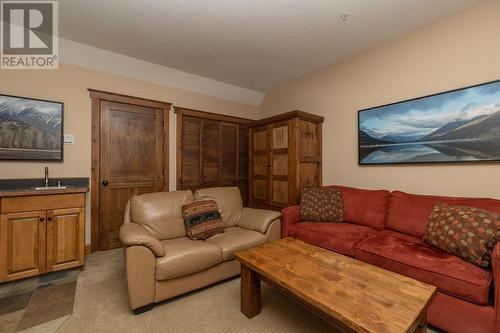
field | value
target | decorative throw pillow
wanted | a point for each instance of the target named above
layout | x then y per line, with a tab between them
202	219
468	232
321	204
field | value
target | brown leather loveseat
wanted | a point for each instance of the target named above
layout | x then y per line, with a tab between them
161	262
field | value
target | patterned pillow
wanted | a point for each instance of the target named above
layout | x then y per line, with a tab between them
468	232
321	204
202	219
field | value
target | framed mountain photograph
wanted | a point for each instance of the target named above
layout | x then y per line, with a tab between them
30	129
456	126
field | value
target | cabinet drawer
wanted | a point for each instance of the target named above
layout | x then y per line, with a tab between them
42	202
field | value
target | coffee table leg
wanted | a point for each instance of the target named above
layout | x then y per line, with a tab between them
422	325
250	292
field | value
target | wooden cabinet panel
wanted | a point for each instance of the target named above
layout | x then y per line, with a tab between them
22	245
65	238
229	153
191	153
212	150
285	156
41	202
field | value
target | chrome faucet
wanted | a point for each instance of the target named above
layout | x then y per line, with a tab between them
46	176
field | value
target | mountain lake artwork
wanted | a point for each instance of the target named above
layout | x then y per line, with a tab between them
457	126
30	129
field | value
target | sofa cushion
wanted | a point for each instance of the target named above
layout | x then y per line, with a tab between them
408	213
202	219
184	256
338	237
235	240
410	256
365	207
468	232
228	200
321	204
161	212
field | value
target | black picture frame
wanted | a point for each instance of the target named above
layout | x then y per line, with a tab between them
32	154
363	154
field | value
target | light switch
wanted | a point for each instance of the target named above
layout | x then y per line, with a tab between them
69	139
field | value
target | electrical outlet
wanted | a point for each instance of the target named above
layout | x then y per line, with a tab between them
69	139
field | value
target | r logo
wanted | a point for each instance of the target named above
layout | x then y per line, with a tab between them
27	27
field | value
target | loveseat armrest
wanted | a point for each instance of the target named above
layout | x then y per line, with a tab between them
136	234
289	215
257	219
495	263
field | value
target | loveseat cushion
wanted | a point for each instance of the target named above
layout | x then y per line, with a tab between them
184	256
228	200
365	207
236	239
338	237
408	213
161	212
410	256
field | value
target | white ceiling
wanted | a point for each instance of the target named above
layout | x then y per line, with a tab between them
255	44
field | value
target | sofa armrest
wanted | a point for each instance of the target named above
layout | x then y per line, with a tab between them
290	215
495	263
136	234
257	219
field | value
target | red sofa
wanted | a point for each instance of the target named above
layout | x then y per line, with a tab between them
386	229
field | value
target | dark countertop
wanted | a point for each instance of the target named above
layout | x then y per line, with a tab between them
28	191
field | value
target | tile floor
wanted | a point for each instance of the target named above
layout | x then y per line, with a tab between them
40	304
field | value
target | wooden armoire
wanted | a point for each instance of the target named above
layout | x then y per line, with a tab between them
212	151
285	156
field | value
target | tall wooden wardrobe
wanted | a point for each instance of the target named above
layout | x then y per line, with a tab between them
285	156
212	150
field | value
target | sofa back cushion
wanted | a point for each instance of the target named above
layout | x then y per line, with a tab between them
364	207
228	200
408	213
161	212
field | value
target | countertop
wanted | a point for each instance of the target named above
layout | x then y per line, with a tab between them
28	191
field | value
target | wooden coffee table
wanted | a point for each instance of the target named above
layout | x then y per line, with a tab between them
352	295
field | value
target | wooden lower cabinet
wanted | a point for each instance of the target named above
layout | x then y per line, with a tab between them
40	241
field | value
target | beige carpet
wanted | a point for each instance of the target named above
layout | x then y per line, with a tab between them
101	306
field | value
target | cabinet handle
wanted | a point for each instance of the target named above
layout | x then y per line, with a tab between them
42	219
49	218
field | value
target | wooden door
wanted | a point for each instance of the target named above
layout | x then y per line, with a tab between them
22	245
65	238
243	162
229	154
210	153
131	162
279	164
190	141
260	166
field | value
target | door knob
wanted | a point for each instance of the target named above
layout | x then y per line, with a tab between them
105	183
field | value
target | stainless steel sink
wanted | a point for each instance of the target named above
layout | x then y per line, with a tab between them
50	188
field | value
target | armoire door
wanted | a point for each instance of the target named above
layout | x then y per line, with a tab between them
22	245
65	238
260	165
279	164
229	154
243	162
131	162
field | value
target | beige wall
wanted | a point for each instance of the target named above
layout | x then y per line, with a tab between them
69	84
460	51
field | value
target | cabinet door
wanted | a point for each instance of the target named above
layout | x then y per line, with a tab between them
190	141
211	153
22	245
65	238
260	166
229	154
279	163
